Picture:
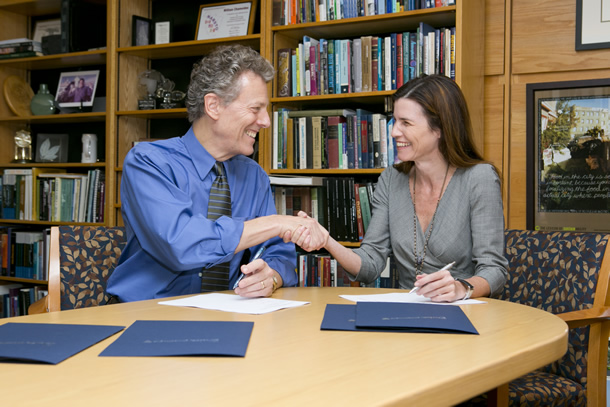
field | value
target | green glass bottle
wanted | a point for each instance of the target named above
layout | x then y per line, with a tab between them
43	102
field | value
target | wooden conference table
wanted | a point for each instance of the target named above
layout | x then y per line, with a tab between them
291	362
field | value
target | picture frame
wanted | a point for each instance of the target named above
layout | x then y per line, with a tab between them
44	28
141	29
592	24
568	156
77	89
229	19
51	148
163	31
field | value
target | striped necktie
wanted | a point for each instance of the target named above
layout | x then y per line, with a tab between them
216	278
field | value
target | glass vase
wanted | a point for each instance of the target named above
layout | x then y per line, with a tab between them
43	102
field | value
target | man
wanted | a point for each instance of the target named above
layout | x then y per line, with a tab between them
83	92
165	190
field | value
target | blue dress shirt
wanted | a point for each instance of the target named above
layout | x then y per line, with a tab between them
164	195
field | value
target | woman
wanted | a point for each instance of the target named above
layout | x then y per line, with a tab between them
441	204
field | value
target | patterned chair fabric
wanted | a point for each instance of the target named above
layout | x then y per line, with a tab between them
87	257
557	272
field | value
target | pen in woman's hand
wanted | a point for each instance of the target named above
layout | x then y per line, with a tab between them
258	254
447	267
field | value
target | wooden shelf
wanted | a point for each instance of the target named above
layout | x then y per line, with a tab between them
187	48
355	27
5	279
155	114
58	118
57	61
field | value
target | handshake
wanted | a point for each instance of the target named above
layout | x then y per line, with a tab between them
305	232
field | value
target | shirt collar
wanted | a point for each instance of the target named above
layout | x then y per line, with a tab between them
202	160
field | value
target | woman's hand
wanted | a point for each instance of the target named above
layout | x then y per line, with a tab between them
439	286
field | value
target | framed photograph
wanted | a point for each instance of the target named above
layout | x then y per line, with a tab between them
141	29
592	24
568	156
77	89
51	148
221	20
44	28
163	32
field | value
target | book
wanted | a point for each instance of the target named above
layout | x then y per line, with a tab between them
399	61
332	141
364	207
367	62
318	150
284	77
321	112
295	180
374	63
357	64
359	224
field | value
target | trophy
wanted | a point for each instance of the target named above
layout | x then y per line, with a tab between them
23	147
147	89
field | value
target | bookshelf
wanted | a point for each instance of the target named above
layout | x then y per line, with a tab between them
467	17
18	20
119	123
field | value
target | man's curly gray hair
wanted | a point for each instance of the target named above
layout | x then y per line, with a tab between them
219	73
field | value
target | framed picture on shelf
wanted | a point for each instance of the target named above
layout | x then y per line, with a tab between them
230	19
163	32
51	148
568	156
141	29
592	24
44	28
76	89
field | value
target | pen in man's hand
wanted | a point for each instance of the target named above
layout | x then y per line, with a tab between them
447	267
258	254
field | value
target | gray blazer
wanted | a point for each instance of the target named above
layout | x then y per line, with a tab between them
468	229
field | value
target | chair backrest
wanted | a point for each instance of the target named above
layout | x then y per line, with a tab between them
562	272
81	260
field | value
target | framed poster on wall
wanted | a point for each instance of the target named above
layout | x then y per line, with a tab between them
568	156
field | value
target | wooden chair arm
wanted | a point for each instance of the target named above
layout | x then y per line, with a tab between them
576	319
39	307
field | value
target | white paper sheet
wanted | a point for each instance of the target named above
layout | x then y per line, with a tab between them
410	296
234	303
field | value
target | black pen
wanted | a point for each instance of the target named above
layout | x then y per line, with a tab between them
258	254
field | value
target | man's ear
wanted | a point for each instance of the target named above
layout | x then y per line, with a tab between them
212	105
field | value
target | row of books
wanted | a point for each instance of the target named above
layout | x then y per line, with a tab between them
17	300
288	12
341	204
24	253
365	64
48	194
20	48
332	139
322	270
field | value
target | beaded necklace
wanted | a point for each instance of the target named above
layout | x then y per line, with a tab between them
419	260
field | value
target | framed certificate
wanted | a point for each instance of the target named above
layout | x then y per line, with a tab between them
230	19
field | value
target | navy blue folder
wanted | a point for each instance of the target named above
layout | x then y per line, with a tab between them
49	343
182	338
413	317
396	317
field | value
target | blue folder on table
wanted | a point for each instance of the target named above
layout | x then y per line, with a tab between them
49	343
397	317
182	338
413	317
